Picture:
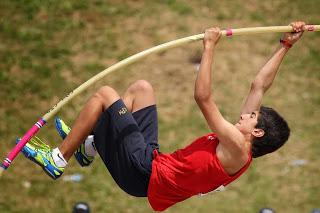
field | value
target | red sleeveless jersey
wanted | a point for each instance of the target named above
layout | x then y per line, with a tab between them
194	170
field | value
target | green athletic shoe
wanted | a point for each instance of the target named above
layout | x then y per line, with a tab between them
80	154
41	154
62	128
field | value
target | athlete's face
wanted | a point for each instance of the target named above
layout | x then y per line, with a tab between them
248	122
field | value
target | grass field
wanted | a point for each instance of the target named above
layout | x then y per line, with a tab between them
48	48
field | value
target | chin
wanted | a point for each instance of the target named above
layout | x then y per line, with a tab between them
241	129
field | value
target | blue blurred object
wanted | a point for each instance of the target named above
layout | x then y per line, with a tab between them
81	207
315	211
73	178
266	210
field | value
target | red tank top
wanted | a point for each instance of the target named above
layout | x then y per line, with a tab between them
194	170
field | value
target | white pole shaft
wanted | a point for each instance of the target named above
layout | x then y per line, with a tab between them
162	47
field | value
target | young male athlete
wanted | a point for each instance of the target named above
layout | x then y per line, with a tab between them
124	131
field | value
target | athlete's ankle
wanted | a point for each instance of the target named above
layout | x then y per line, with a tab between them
59	158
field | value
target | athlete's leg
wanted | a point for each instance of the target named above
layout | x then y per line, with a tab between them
87	119
120	140
139	95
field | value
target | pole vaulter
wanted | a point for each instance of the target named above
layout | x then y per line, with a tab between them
125	62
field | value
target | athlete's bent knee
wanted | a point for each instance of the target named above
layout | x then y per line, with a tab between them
142	86
107	95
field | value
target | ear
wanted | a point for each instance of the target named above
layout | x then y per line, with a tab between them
258	133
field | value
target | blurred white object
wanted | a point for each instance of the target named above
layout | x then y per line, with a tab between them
197	67
73	178
298	162
266	210
26	184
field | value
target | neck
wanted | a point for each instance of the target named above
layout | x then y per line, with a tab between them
248	141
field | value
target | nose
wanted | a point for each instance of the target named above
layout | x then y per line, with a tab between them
244	116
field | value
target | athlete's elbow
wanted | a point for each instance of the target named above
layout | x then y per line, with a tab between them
202	96
258	85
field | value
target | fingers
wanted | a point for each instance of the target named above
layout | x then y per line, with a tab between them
298	26
213	31
211	37
298	29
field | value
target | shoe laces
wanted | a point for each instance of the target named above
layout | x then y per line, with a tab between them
39	144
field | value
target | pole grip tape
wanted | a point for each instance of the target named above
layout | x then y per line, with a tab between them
310	27
229	32
15	151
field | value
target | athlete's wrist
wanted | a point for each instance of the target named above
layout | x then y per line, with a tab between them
285	43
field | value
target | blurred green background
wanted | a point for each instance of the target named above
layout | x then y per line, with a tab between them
48	48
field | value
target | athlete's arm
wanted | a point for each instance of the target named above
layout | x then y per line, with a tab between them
267	74
228	134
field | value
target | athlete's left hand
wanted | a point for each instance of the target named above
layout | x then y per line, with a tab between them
211	37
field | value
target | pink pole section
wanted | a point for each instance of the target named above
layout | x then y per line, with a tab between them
229	32
15	151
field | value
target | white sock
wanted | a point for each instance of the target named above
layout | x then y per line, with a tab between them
58	158
89	146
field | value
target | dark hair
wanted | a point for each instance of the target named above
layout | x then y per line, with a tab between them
276	132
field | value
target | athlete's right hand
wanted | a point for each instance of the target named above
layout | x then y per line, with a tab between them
211	37
298	28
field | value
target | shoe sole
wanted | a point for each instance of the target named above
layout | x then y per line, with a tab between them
62	134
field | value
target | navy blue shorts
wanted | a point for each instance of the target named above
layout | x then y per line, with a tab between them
125	141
